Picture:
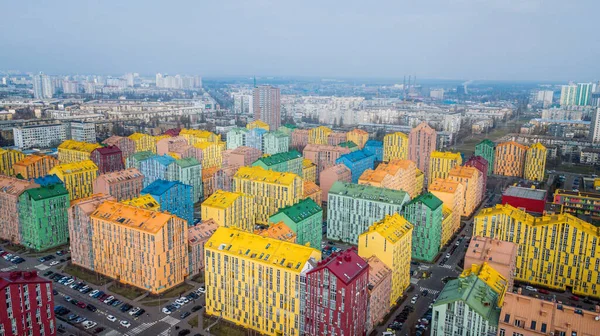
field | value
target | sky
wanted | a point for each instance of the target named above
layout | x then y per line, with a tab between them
545	40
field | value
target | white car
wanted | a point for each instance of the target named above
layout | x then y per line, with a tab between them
414	299
185	300
532	289
134	310
89	324
125	324
68	282
107	300
166	311
54	263
94	292
176	305
111	318
201	290
447	255
180	302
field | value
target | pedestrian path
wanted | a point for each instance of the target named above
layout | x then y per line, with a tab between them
113	333
447	266
140	328
170	320
431	291
165	332
42	267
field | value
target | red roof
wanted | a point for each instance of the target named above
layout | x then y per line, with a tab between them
345	265
20	277
172	132
108	150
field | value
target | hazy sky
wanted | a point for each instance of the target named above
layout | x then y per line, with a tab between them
454	39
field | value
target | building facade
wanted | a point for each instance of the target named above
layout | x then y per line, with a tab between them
305	218
395	146
440	164
376	148
71	151
187	171
323	156
509	159
498	254
39	136
358	136
275	142
108	159
174	197
143	142
10	191
487	150
471	179
78	177
198	235
230	209
535	163
267	105
287	162
425	214
126	145
421	142
451	193
8	159
34	166
122	185
357	162
380	288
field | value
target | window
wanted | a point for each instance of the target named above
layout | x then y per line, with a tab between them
543	328
533	325
519	323
502	332
506	318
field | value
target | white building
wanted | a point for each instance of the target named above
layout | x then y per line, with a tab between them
42	86
545	97
568	95
83	131
39	136
437	94
595	126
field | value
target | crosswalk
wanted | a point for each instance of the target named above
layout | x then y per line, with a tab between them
431	291
140	328
42	267
170	320
6	269
447	266
165	332
113	333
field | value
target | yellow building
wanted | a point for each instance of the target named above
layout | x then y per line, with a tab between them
496	281
471	179
194	136
75	151
509	159
395	146
258	124
34	166
143	248
390	240
452	194
254	281
535	162
78	177
557	251
309	171
419	181
7	160
212	154
278	231
271	190
230	209
143	142
440	164
358	136
319	135
144	201
447	225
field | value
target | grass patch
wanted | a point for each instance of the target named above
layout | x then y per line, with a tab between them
222	328
578	169
193	322
14	248
199	278
154	303
49	251
173	292
86	275
127	291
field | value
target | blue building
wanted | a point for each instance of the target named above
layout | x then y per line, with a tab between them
254	138
155	168
357	162
47	180
376	148
174	197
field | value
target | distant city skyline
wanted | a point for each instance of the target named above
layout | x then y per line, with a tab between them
484	40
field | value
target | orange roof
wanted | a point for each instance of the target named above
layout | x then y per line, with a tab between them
278	231
444	185
311	188
462	171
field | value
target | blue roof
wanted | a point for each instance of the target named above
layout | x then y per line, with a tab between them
47	180
164	160
374	143
355	156
257	131
159	187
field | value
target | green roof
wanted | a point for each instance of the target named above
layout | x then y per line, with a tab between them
279	158
140	156
290	126
367	192
277	134
347	144
239	129
486	142
475	293
49	191
301	210
429	199
187	162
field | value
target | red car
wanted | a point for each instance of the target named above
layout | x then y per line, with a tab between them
574	298
543	291
102	297
81	305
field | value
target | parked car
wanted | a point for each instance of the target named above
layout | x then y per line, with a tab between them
111	318
196	308
125	324
530	288
91	308
543	291
414	299
184	315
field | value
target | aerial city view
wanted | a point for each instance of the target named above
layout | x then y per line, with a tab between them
275	168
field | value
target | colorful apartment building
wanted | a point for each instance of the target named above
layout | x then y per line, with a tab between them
535	162
187	171
309	170
299	139
278	231
143	143
350	145
452	194
108	159
80	228
323	156
198	235
419	181
331	175
395	146
34	166
358	136
134	160
440	164
556	251
271	190
487	150
170	144
336	138
578	203
268	268
275	142
305	218
509	159
312	191
254	138
185	152
396	175
288	162
447	225
211	154
337	296
258	124
230	209
319	135
498	254
376	148
194	136
236	137
143	201
43	218
482	165
472	181
357	162
122	185
10	191
8	158
138	247
422	142
27	307
78	177
71	151
174	197
353	208
425	214
380	288
155	168
243	156
126	145
390	240
494	279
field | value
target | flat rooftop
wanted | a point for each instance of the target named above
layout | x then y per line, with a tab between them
535	194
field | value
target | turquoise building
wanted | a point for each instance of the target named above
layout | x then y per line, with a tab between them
487	150
275	142
288	162
305	218
187	171
424	212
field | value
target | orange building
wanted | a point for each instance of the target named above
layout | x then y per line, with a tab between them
34	166
500	255
278	231
358	136
396	175
509	159
311	190
471	179
451	193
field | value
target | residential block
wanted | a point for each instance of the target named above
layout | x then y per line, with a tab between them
230	209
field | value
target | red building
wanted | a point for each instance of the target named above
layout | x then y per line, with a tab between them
337	296
108	159
29	305
532	200
173	132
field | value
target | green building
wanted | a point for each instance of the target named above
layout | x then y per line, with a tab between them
236	137
133	161
287	129
424	212
187	171
305	219
487	150
275	142
350	145
287	162
43	217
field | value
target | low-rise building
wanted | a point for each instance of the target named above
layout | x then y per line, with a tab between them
122	185
305	219
532	200
578	203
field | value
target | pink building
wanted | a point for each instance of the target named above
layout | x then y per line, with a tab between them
166	145
80	229
332	174
197	237
267	106
500	255
244	156
323	156
126	145
223	178
299	139
122	185
421	142
380	288
10	190
336	138
188	151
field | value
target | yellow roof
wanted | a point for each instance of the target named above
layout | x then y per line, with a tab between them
144	201
490	276
257	123
138	136
78	146
396	134
392	227
446	212
306	163
444	185
74	167
221	199
537	145
445	155
133	217
209	136
261	249
260	174
205	145
157	138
